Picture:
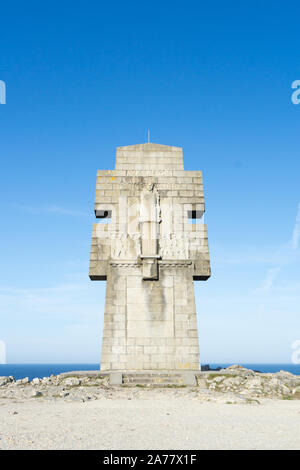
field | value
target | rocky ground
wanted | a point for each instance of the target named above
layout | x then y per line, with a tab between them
254	385
60	412
234	384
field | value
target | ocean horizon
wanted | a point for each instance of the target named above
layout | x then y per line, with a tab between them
19	371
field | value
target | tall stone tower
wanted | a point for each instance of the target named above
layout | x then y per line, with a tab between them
149	250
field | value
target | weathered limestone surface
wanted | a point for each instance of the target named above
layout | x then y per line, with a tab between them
149	253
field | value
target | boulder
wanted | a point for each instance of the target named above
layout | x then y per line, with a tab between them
284	373
284	390
232	382
234	367
72	382
6	380
22	381
35	381
254	383
218	380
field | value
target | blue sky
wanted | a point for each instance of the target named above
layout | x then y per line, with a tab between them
213	77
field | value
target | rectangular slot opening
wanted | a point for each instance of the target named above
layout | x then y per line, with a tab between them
195	216
104	215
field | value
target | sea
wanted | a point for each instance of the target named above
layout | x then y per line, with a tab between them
19	371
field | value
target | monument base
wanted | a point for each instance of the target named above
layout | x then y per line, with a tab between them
162	378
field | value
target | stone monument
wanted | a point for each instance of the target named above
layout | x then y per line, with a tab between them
149	250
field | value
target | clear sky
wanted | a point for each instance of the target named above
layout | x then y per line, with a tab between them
213	77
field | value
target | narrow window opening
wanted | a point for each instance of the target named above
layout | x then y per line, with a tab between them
104	215
195	216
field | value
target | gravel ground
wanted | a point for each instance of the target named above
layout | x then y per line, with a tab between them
153	421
